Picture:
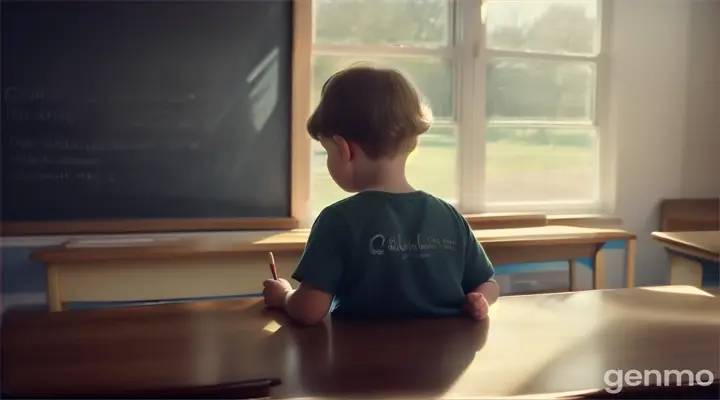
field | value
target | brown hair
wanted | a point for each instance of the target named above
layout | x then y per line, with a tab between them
376	108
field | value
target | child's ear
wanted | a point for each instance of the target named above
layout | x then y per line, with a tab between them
344	146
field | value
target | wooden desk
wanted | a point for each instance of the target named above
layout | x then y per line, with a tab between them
691	254
680	215
531	344
164	267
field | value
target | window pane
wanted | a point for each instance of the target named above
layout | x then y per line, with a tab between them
431	167
417	23
540	164
533	90
558	27
432	75
323	190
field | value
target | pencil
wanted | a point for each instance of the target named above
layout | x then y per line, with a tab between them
273	270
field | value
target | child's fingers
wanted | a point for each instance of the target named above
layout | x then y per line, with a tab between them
476	305
473	297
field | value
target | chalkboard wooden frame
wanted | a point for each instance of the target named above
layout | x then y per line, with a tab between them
300	142
299	173
146	226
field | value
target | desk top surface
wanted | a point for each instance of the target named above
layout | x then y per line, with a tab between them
531	344
218	244
703	244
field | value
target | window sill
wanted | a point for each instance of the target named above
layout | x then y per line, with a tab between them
527	220
586	220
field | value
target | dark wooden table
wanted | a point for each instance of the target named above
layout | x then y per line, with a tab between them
530	344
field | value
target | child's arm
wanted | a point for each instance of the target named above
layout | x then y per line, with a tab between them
320	269
490	290
479	272
307	305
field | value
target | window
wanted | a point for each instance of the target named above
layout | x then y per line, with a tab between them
513	85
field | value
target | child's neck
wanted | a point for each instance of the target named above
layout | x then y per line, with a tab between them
392	187
390	177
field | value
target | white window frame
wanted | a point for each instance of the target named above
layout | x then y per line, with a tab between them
468	51
451	51
604	203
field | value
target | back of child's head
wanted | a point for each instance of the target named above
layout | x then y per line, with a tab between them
378	109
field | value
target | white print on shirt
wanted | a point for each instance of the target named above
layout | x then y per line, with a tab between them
420	247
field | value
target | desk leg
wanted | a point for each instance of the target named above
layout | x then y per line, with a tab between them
53	286
598	268
630	263
572	264
684	271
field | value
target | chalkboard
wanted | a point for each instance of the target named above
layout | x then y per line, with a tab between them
137	110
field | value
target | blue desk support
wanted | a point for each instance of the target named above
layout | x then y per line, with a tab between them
627	246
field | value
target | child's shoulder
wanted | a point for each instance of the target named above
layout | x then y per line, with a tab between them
373	198
376	203
363	214
440	203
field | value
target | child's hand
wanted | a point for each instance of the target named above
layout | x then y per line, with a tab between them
275	292
477	306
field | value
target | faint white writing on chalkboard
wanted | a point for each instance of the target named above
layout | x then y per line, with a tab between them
160	111
97	146
151	99
47	115
17	94
21	95
41	160
63	176
59	144
263	82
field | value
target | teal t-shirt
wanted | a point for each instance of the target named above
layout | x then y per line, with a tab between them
393	255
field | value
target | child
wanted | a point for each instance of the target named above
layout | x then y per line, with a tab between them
389	251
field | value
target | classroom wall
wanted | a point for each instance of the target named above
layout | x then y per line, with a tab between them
665	96
701	165
664	111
